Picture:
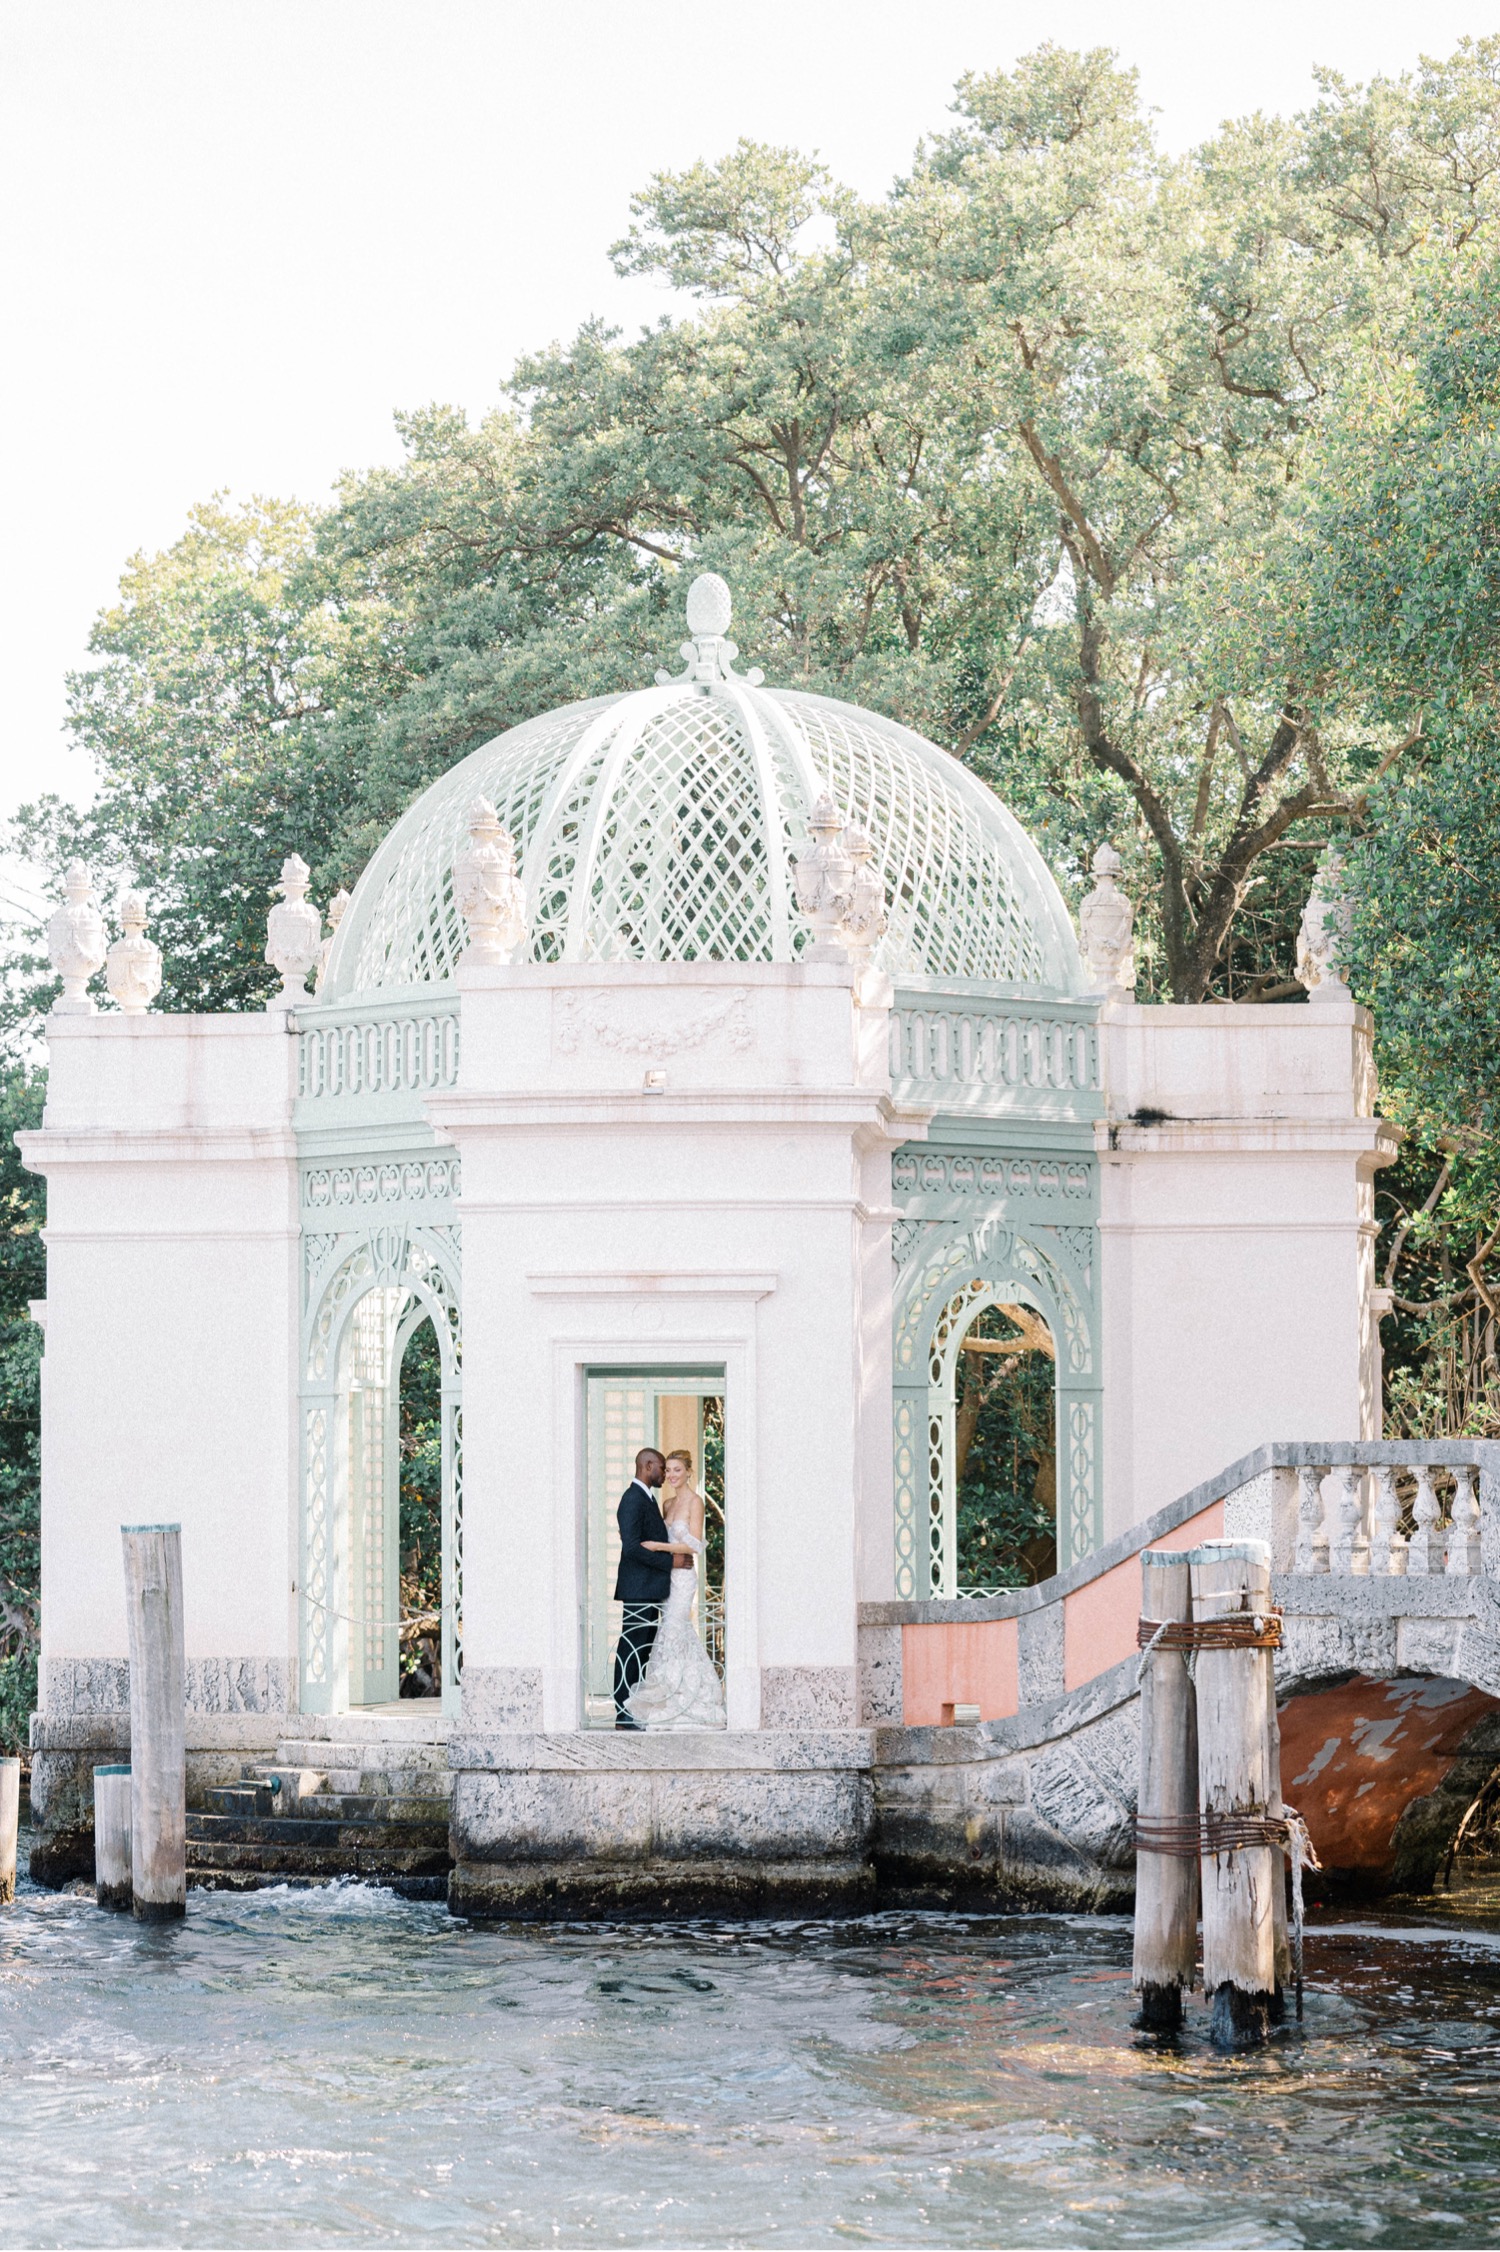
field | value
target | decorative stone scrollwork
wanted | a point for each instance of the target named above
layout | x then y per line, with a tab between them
294	934
75	942
1106	922
488	891
336	907
656	1040
1323	936
133	965
399	1181
938	1173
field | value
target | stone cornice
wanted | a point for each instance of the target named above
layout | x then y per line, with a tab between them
1290	1137
50	1146
848	1108
655	1282
714	1749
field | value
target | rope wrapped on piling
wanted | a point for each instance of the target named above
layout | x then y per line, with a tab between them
1248	1630
1228	1833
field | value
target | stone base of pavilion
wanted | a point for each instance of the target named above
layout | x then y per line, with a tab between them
711	1822
784	1822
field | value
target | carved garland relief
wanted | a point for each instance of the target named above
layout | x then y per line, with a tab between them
649	1037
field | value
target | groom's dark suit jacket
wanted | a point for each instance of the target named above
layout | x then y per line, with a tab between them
643	1577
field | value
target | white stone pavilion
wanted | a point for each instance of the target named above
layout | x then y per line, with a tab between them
635	1137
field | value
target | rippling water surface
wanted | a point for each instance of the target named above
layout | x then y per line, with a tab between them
340	2067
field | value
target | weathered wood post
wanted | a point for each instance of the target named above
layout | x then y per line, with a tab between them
1231	1591
1166	1864
112	1837
10	1824
158	1757
1281	1940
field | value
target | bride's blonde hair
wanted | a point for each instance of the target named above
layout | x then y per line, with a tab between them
681	1454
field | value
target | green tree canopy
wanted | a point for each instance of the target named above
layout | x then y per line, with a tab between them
1013	453
1400	553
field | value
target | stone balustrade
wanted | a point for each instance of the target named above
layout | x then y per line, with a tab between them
1383	1509
951	1045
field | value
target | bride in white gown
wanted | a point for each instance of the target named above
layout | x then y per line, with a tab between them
680	1687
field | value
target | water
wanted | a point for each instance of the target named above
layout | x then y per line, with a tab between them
340	2067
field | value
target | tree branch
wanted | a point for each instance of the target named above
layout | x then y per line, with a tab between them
1051	468
1472	1271
1398	1241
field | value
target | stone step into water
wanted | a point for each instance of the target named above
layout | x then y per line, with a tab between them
210	1860
332	1837
368	1766
389	1808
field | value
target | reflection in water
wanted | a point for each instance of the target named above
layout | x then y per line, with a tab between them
340	2067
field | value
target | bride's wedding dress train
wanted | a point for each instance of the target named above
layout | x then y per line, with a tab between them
679	1688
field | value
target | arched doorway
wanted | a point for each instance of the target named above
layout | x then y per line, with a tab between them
367	1498
418	1436
946	1284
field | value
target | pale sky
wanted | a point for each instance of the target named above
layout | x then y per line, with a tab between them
238	234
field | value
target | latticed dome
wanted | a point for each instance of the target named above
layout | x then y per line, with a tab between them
661	826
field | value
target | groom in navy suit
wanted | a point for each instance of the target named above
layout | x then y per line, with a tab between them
644	1580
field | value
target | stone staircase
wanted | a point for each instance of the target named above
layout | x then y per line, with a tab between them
363	1794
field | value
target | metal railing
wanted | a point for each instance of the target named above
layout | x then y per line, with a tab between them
968	1046
395	1049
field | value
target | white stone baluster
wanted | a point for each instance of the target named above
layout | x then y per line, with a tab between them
75	942
294	932
823	875
1425	1550
488	890
1312	1538
1463	1538
132	969
1388	1542
1349	1548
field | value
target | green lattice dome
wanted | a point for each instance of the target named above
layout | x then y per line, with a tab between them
661	826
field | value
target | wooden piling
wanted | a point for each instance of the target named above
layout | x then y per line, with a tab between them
1232	1578
112	1881
1166	1883
10	1825
1281	1939
158	1757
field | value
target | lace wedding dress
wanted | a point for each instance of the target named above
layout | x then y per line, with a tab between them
680	1688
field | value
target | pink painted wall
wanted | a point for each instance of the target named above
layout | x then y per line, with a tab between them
974	1662
1100	1618
967	1663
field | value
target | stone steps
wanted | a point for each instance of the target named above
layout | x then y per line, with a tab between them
405	1768
356	1796
257	1800
333	1836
